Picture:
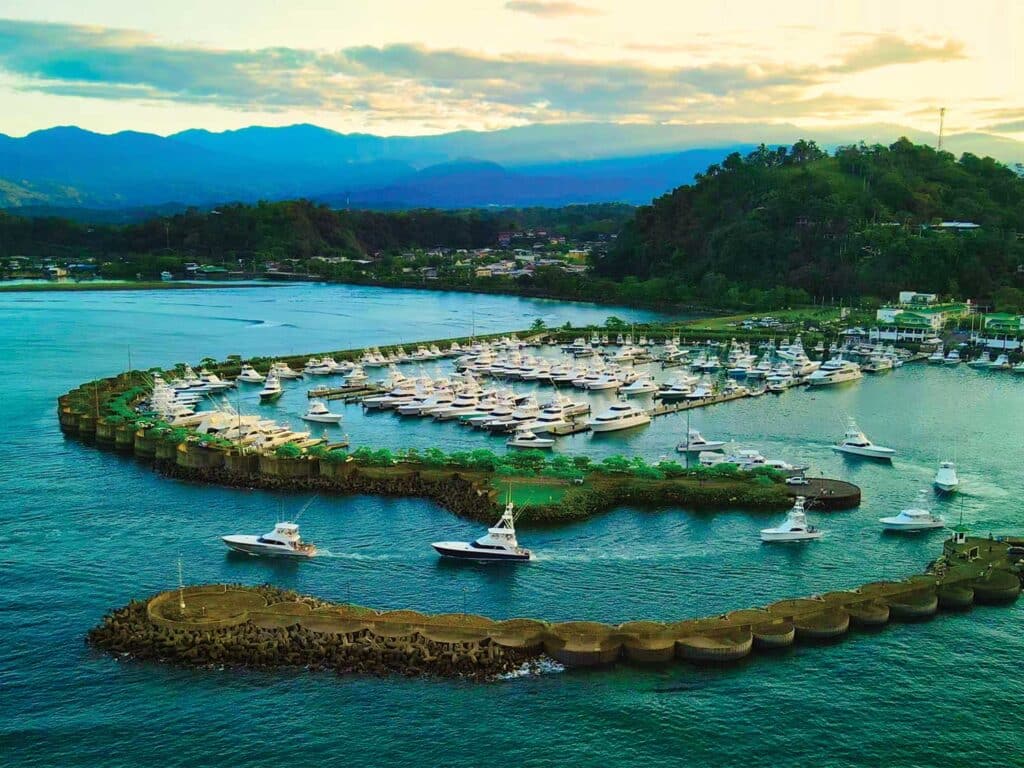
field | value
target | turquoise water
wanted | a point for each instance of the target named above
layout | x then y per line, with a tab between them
83	531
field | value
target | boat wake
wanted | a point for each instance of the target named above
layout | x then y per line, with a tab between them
326	553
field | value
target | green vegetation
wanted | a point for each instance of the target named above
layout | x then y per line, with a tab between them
781	226
249	236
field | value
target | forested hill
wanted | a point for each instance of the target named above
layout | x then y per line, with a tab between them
295	229
857	223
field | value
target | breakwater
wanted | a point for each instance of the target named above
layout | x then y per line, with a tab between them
266	627
88	414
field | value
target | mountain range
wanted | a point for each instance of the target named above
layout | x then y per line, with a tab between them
69	169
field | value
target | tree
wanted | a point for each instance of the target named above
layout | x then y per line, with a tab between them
538	325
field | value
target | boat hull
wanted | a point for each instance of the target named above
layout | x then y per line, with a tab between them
465	552
332	418
769	536
616	426
247	545
865	453
271	398
889	524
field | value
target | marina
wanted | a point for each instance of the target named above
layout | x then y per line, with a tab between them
630	579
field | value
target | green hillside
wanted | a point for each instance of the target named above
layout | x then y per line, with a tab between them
857	223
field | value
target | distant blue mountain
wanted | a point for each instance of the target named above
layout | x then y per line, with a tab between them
532	165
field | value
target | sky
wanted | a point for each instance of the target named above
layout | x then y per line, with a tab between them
409	67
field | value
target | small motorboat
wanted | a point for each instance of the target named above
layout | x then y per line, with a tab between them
271	391
952	358
498	544
318	411
250	375
525	438
914	519
283	541
695	443
946	479
856	443
794	527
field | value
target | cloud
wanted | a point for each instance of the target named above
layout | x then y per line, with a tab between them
886	50
1013	126
410	82
550	9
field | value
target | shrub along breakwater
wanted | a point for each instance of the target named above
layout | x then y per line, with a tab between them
267	627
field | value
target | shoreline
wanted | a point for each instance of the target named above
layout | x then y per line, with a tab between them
127	286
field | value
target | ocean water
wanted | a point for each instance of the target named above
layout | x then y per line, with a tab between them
82	531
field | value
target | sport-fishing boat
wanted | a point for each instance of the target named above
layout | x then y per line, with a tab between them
1019	367
914	519
285	371
937	357
1001	363
856	442
952	358
695	443
498	544
319	412
250	375
836	370
794	527
619	416
525	438
643	385
946	479
283	541
983	360
271	389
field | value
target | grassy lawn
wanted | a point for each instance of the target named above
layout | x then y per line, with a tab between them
811	314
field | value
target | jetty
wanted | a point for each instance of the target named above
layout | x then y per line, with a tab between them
265	627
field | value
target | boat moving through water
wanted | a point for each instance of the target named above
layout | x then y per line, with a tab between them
283	541
794	527
499	543
914	519
856	443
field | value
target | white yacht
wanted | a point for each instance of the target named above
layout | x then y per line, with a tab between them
937	357
552	417
619	416
283	541
525	438
952	358
1019	367
1001	363
794	527
695	443
319	412
271	389
984	360
643	385
914	519
835	371
498	544
856	442
285	371
946	479
213	382
250	375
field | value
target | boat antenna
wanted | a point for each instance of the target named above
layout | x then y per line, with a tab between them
307	505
